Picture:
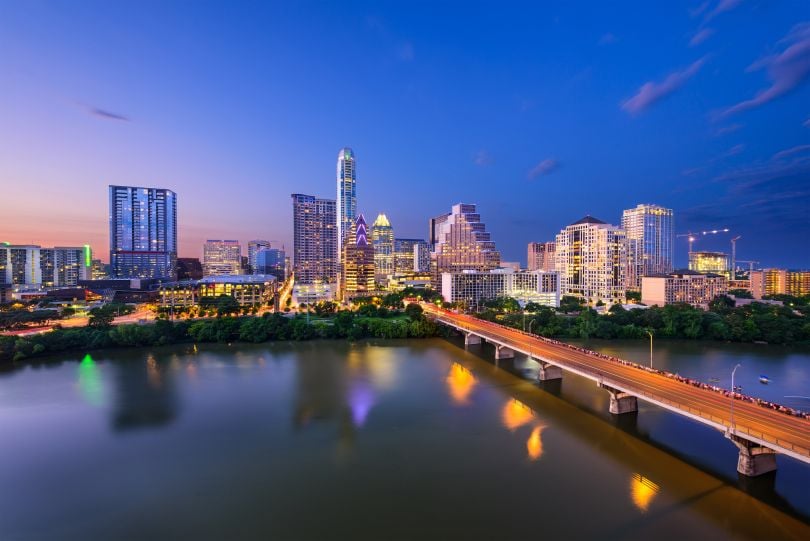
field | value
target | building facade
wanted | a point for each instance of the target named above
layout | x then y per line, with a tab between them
315	256
650	241
253	248
143	232
382	240
271	261
541	256
222	257
64	266
591	258
471	288
411	255
20	265
358	278
248	290
690	287
710	262
346	195
189	268
780	282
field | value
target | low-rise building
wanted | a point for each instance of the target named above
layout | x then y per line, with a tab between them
684	286
247	289
780	282
473	287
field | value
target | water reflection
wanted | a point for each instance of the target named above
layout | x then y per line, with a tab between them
460	382
516	414
642	491
145	396
90	383
534	445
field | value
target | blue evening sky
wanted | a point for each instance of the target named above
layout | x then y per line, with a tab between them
538	112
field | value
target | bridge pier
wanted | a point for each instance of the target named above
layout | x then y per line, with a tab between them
471	339
620	402
503	352
548	372
754	459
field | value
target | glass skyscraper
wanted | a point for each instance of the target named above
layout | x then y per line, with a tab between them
382	239
346	195
143	232
650	239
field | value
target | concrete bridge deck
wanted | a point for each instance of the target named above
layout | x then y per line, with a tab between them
757	431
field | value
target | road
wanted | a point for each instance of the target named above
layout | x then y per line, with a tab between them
780	431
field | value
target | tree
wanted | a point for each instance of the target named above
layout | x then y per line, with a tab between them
67	311
101	317
570	304
741	293
633	296
226	305
414	312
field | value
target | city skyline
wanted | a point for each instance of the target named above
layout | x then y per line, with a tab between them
705	117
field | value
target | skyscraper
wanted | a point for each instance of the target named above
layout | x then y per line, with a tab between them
21	265
222	257
65	266
254	246
382	239
591	258
541	256
346	195
315	256
143	232
461	242
407	254
650	241
358	262
271	261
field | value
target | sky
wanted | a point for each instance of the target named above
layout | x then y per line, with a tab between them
540	113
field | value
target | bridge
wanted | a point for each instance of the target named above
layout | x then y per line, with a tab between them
758	432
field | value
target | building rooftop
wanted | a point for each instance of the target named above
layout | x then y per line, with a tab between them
588	220
238	279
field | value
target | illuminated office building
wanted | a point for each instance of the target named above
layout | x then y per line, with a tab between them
780	282
382	240
650	241
143	232
346	202
411	255
315	256
710	262
461	242
222	257
253	248
271	261
358	263
254	290
591	258
541	256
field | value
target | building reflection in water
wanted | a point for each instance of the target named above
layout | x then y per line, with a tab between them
145	395
642	491
534	445
90	382
460	382
516	414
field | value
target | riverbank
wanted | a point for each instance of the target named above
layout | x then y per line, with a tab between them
253	329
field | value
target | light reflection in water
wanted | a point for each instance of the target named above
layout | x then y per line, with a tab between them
642	491
516	414
153	371
90	381
534	445
460	381
361	399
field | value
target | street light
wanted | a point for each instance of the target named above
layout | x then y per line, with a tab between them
649	332
731	420
530	325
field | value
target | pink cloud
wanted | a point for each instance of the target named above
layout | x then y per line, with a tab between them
545	167
651	92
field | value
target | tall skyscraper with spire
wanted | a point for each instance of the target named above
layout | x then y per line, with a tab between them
382	239
346	195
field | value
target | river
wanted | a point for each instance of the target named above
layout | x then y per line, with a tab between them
414	439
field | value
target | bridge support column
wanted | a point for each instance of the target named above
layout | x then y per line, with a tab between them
548	372
503	352
621	402
471	339
754	459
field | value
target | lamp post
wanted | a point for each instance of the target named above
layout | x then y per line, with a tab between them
731	420
530	325
649	332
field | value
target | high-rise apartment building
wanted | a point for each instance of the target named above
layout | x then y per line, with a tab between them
358	262
406	256
650	241
591	258
541	256
315	256
20	265
143	232
421	257
461	242
254	246
382	240
346	202
65	266
222	257
710	262
780	282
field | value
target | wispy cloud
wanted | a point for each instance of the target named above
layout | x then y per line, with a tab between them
544	168
721	7
482	158
700	36
791	151
786	70
806	123
731	128
651	92
107	115
607	39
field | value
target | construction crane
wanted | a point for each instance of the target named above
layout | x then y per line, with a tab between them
692	237
750	266
734	254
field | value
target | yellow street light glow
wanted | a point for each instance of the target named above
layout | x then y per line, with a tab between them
642	491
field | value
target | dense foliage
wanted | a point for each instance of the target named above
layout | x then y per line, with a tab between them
751	323
368	322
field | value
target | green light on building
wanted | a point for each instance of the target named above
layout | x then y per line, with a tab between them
88	256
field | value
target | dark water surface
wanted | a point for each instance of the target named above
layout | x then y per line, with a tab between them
382	440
